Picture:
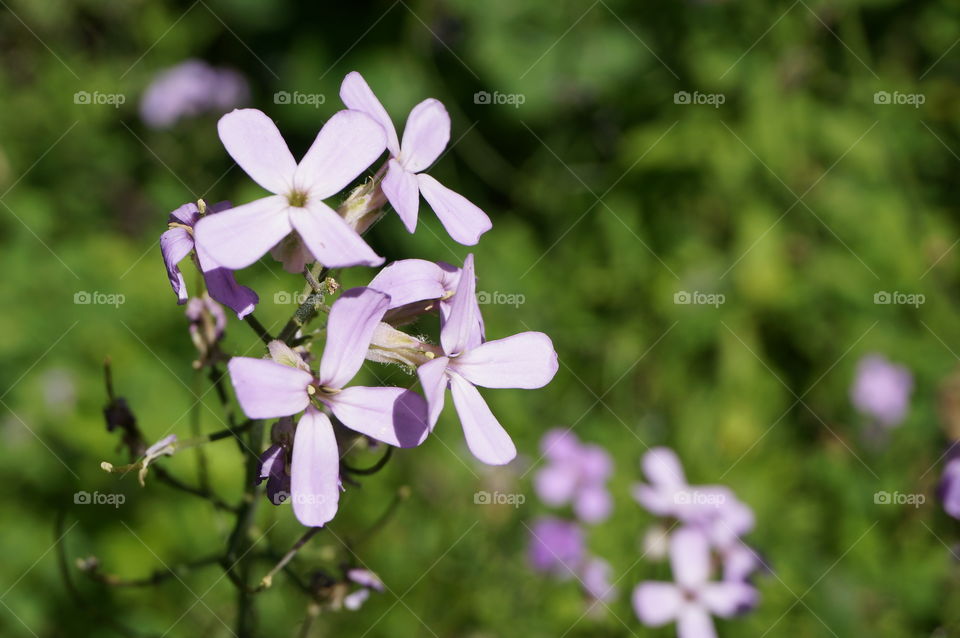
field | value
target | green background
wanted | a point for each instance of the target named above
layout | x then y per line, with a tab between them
798	199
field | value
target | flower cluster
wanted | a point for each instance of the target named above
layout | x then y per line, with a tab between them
575	474
710	522
297	225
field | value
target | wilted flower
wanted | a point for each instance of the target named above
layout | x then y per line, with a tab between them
881	390
346	145
693	597
575	473
426	134
525	360
191	88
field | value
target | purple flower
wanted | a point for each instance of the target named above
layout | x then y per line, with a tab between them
177	242
668	493
556	546
368	582
950	488
191	88
526	360
882	390
426	134
595	578
575	473
346	145
693	598
285	385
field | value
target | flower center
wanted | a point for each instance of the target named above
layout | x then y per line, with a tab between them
297	198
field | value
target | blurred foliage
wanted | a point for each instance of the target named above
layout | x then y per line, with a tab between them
797	199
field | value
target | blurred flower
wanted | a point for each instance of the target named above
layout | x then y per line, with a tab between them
346	145
692	598
368	582
881	390
668	493
556	547
207	324
950	488
575	473
595	577
177	242
526	360
189	89
426	134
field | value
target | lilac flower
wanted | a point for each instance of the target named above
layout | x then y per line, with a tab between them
950	488
525	360
191	88
426	134
693	598
346	145
177	242
882	390
285	386
556	546
668	493
368	582
575	473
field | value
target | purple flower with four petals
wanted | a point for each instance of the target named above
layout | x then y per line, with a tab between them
575	473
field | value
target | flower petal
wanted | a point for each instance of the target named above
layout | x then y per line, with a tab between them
175	244
357	95
266	389
486	438
695	622
353	318
315	470
223	287
726	599
593	504
657	603
330	239
395	416
662	467
253	141
690	557
525	360
240	236
556	484
346	146
425	135
461	330
464	221
410	280
403	193
434	380
186	214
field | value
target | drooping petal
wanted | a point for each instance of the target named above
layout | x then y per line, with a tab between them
727	599
662	467
223	287
346	146
266	389
357	95
657	603
240	236
393	415
410	280
593	504
425	135
353	318
253	141
461	329
694	622
486	438
434	380
330	239
175	244
464	221
690	557
525	360
315	470
186	214
273	469
403	192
